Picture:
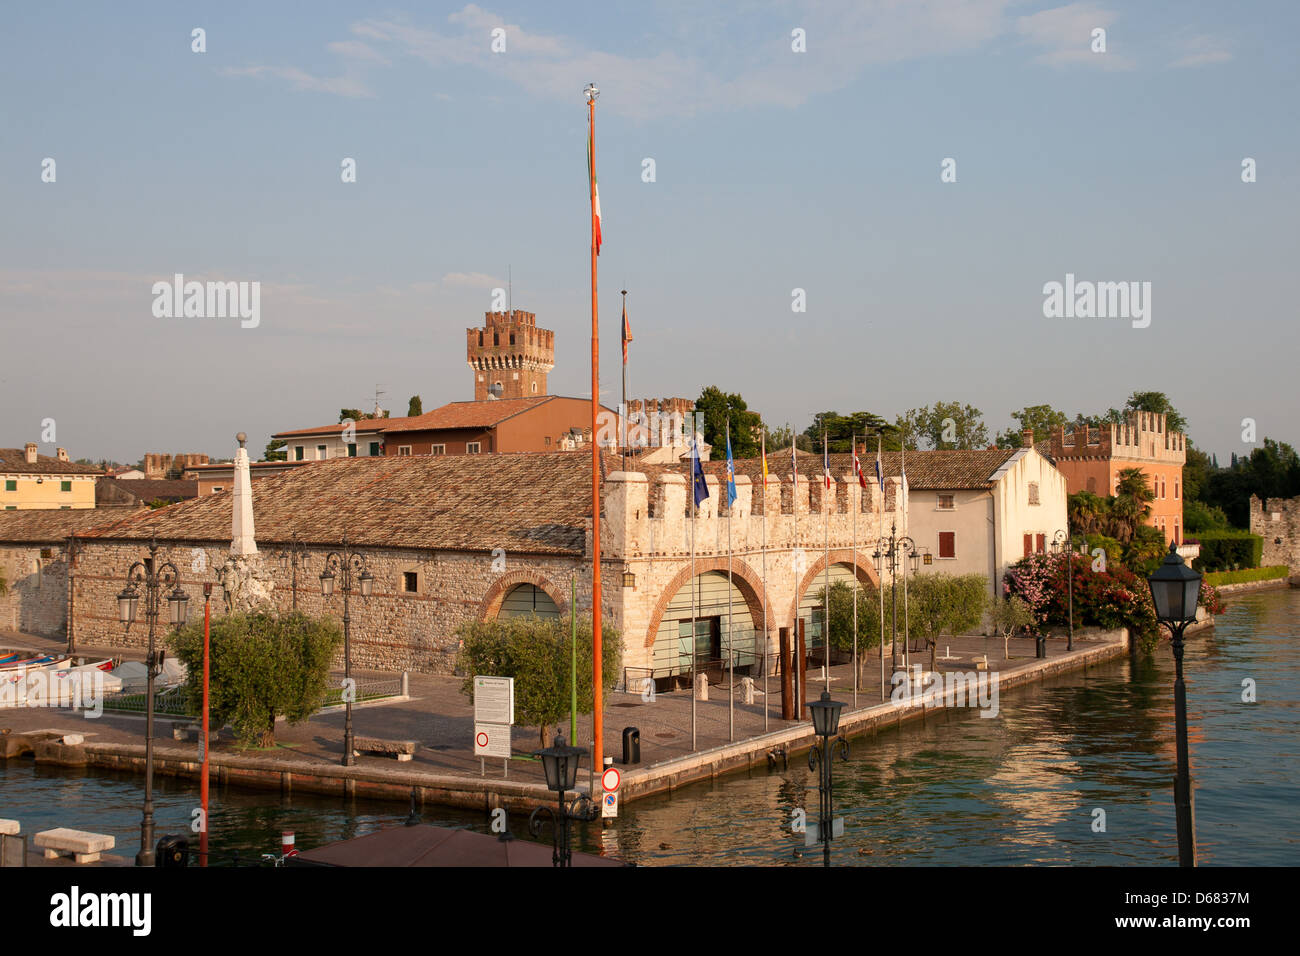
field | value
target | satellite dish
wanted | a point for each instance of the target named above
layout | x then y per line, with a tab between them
495	390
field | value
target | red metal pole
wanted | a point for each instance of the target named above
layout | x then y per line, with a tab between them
203	778
597	715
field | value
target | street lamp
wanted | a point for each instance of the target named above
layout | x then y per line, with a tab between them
826	724
1175	589
895	550
347	562
1059	543
151	577
293	556
560	763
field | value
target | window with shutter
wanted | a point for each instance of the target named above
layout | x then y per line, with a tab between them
947	544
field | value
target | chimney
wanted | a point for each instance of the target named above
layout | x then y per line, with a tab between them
63	454
1027	438
31	453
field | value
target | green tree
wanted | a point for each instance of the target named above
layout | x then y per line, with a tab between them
1159	403
263	665
1131	505
414	407
1196	473
1041	418
275	450
1088	513
840	430
714	407
841	615
1009	616
1145	550
536	653
944	425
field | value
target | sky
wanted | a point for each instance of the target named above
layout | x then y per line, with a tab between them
794	147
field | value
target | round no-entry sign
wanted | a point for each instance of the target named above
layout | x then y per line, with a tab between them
610	780
482	739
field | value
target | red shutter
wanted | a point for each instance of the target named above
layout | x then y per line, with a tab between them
1042	544
947	544
1029	545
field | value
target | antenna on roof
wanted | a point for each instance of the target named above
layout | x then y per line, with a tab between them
378	393
510	290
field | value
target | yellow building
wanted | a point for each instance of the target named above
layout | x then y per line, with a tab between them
39	481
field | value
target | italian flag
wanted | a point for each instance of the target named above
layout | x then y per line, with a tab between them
595	190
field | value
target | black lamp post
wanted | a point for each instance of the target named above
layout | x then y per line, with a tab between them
1059	543
293	556
152	577
895	550
348	563
826	724
1175	589
560	762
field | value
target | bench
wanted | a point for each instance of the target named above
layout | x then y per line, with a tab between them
982	663
84	847
9	827
401	749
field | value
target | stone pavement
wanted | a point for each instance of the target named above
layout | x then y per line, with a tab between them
440	718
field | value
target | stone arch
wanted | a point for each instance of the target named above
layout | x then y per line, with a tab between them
490	606
742	576
866	574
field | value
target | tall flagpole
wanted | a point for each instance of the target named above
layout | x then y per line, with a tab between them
623	335
880	480
597	713
731	647
694	642
826	575
857	474
907	630
795	552
765	635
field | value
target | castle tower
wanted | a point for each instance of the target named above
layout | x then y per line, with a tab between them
510	356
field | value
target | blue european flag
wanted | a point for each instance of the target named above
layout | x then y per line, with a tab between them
731	473
700	489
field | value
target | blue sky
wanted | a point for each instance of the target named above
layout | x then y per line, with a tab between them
775	170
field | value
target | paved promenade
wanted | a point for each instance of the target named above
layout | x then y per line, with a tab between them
439	718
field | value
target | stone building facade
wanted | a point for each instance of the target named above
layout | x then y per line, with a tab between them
1277	521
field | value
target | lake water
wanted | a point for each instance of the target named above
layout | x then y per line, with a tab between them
1021	788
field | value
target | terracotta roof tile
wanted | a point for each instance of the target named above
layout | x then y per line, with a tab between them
467	414
46	525
14	461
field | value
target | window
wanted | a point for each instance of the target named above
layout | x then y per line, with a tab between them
352	449
473	448
1092	485
65	507
437	449
410	582
1042	544
1033	493
65	486
947	544
1175	488
403	449
534	386
322	453
946	503
374	449
11	484
297	453
547	440
216	488
1029	545
11	507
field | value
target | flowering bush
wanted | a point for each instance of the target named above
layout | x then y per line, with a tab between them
1209	598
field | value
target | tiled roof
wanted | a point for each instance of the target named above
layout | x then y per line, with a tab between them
14	461
113	490
466	414
364	427
45	525
926	470
526	502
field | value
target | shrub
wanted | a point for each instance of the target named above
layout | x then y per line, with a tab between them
1271	573
262	666
1222	550
1198	517
536	653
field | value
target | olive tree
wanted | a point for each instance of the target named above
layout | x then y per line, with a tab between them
1008	615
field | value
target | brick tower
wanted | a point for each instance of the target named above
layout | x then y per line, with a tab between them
510	351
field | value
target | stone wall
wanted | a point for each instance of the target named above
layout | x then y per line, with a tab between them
1277	521
36	601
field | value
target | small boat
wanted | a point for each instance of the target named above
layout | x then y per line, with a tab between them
9	657
27	662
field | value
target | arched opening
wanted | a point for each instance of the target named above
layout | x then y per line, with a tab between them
811	610
722	630
525	599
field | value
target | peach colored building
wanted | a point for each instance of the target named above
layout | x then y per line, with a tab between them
1092	458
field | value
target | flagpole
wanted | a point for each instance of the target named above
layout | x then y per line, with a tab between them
694	662
826	572
907	631
731	647
765	635
880	480
794	556
597	713
623	335
857	473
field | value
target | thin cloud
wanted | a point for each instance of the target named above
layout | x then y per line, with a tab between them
1066	32
1201	50
471	280
347	85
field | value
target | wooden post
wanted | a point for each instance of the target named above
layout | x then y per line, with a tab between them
787	686
802	708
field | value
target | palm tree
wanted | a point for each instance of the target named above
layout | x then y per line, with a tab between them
1088	512
1131	505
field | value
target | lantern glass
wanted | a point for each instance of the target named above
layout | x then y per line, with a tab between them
629	579
327	583
127	602
927	559
1175	589
826	715
367	583
560	762
178	604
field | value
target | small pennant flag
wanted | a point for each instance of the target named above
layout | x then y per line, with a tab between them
627	331
880	475
794	467
857	465
595	190
826	462
764	456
